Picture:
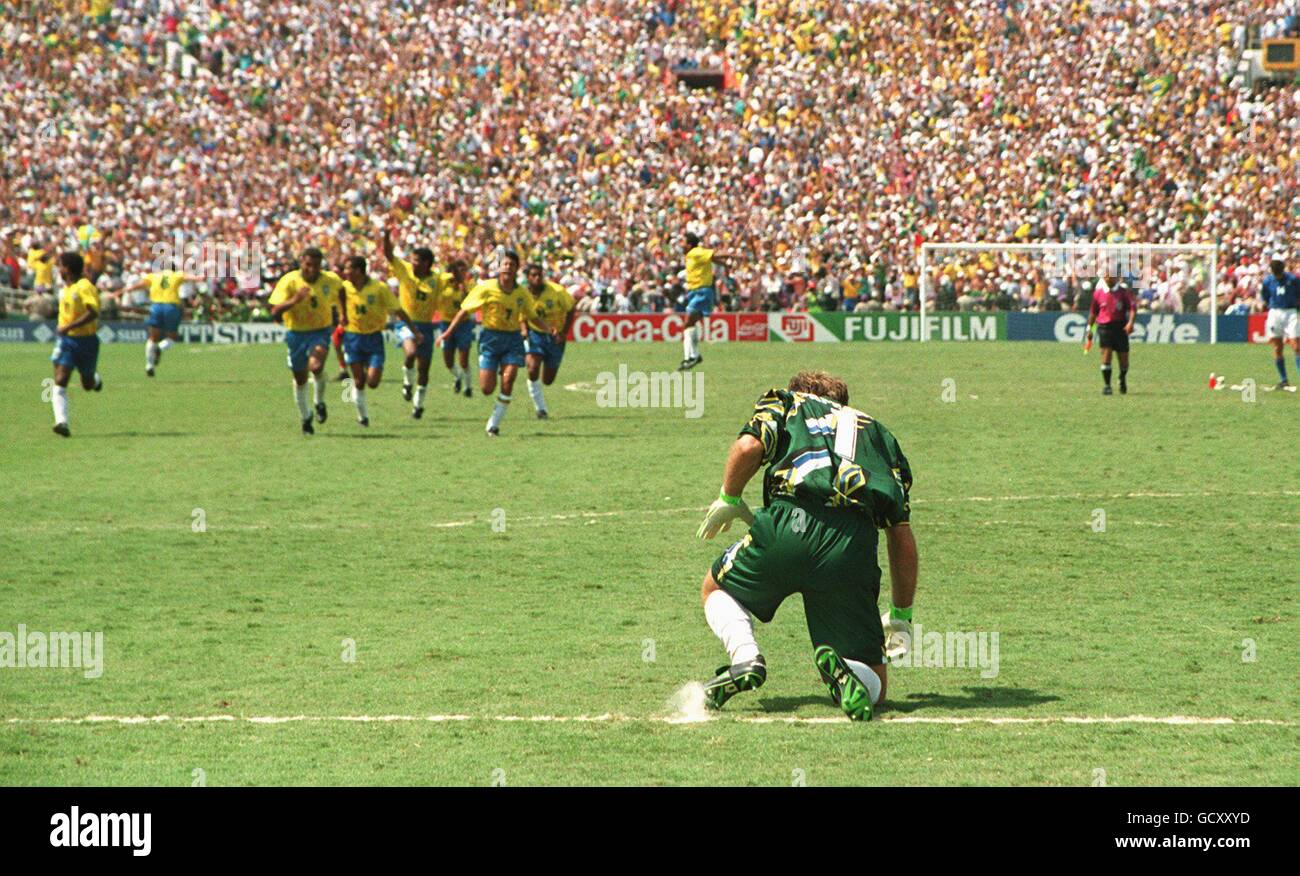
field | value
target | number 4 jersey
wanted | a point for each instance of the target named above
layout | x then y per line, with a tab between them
821	452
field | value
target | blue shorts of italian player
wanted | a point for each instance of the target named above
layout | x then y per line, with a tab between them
496	348
367	349
301	344
462	338
165	317
542	345
80	353
700	300
424	349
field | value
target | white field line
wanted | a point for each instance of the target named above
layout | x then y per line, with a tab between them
1168	720
591	517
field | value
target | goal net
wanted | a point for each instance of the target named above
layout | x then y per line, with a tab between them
1164	277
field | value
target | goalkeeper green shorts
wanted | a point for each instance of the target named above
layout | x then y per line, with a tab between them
826	554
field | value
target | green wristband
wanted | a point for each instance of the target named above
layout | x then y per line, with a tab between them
730	500
904	614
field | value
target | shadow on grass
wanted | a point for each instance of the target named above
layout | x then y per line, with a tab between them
973	698
134	434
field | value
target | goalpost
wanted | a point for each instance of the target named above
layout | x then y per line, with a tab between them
1077	261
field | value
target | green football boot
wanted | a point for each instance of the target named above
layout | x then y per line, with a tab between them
847	691
731	680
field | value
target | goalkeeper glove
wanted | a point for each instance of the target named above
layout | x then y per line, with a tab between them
897	623
724	510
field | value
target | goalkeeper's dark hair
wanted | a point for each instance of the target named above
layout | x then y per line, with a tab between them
819	383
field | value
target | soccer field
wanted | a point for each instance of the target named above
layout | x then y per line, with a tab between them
520	611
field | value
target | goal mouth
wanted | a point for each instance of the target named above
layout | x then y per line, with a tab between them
975	275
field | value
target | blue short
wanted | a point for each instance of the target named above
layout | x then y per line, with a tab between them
367	349
497	348
165	317
700	300
301	344
539	344
462	338
424	349
81	353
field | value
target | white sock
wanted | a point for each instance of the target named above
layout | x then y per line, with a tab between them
98	379
457	371
165	344
363	413
408	376
867	677
688	343
732	624
535	390
419	396
300	397
150	353
499	411
60	402
318	386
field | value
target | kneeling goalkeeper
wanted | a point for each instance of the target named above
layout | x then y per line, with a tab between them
835	477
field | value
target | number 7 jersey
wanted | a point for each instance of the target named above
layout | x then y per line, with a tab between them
820	451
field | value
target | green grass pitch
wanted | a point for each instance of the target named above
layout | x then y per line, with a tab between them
585	603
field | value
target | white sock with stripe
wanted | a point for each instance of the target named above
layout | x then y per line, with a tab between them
867	677
499	411
150	353
688	343
318	386
60	402
363	412
535	390
419	396
408	376
300	398
732	624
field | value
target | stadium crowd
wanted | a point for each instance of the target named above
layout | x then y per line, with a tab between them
848	133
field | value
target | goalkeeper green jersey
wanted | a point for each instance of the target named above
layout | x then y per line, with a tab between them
822	453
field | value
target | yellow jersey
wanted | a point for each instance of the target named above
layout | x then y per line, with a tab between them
419	295
313	312
41	266
699	268
450	296
502	311
369	306
74	301
553	304
165	287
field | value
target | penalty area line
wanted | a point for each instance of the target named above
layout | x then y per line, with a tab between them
609	718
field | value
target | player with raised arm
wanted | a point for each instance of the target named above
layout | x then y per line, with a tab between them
1281	294
1113	311
455	350
304	299
507	306
543	353
835	478
418	285
78	339
364	306
701	295
165	311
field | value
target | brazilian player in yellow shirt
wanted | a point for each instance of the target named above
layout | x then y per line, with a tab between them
78	342
456	285
364	305
419	291
544	352
164	311
507	307
303	299
701	295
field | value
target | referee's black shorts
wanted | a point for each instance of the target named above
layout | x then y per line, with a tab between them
1112	336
